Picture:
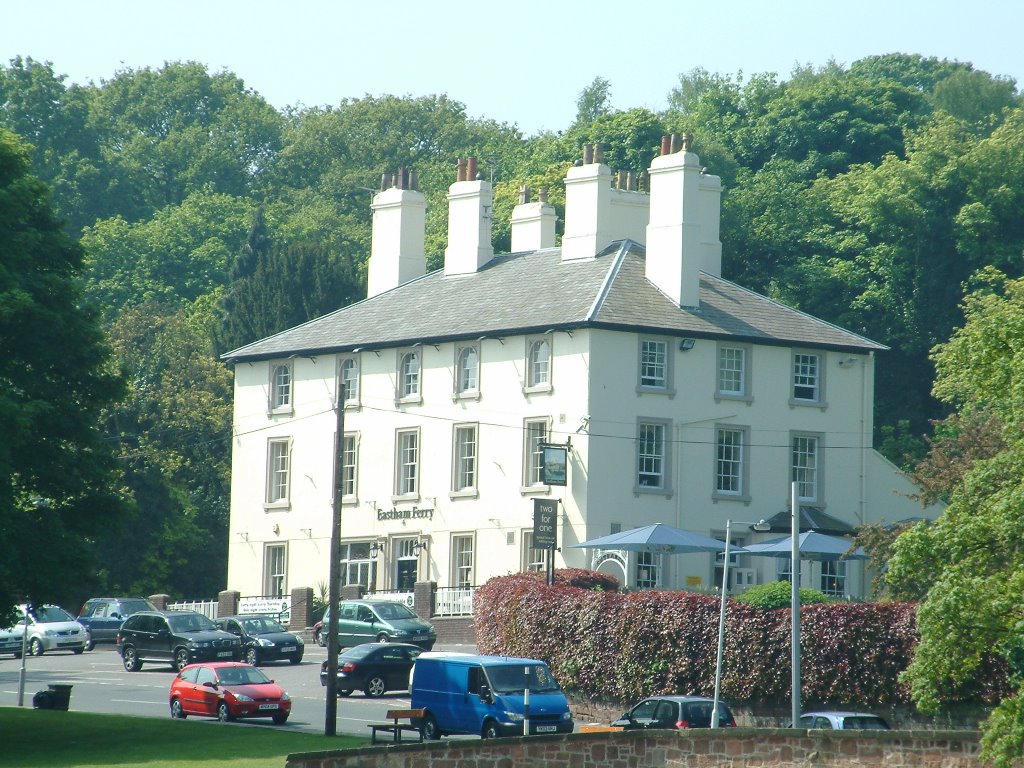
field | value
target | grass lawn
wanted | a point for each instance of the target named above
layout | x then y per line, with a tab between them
55	739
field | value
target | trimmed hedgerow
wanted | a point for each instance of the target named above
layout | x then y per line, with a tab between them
779	594
603	645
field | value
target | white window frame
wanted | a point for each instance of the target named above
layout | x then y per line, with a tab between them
807	379
834	576
467	378
350	468
465	460
536	431
534	559
410	376
732	372
357	561
732	453
350	398
653	459
538	370
408	456
282	388
649	377
463	563
649	564
807	467
279	463
275	570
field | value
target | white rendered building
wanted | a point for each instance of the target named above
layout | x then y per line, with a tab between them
683	398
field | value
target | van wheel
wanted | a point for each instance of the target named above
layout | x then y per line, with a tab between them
490	731
429	728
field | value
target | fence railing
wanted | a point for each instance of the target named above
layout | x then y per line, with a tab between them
206	607
454	601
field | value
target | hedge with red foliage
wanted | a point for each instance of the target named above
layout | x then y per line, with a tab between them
608	646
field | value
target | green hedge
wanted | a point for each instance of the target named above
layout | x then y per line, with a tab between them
621	647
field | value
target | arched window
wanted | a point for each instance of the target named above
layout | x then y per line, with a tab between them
540	363
468	370
281	396
350	380
410	375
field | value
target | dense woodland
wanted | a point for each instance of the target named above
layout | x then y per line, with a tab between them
192	217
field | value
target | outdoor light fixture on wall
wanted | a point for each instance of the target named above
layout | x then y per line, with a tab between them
419	545
376	548
685	345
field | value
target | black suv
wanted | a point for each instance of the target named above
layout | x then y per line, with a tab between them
102	616
178	638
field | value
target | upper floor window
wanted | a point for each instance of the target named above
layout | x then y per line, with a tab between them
348	466
535	435
409	376
730	461
538	364
652	455
807	467
655	364
465	458
467	370
407	470
733	371
281	388
278	470
349	376
807	378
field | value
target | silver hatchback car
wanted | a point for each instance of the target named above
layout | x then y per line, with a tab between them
51	628
843	721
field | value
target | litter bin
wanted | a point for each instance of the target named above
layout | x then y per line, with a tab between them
61	695
42	700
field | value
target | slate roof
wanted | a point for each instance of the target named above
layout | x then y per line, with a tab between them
535	291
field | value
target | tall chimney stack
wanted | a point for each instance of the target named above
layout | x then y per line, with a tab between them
399	222
470	202
533	224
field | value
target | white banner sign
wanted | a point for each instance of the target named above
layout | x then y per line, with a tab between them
275	606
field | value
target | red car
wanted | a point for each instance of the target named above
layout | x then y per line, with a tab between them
228	690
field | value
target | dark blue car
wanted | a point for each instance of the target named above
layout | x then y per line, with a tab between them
263	639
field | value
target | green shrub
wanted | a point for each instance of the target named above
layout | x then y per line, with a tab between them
779	594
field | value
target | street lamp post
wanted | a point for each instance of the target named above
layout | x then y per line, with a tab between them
794	507
760	525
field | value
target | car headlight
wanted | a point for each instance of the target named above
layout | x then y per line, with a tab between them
299	640
50	632
263	642
514	717
241	696
285	696
567	715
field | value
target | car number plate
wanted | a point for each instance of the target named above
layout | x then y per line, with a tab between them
547	728
287	647
224	653
268	706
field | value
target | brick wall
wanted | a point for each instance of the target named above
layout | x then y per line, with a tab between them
729	748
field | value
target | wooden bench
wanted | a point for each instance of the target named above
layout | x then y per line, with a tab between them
395	727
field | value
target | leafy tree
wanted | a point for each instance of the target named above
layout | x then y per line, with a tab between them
593	101
173	431
58	479
973	556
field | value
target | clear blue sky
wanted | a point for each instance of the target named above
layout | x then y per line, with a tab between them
518	62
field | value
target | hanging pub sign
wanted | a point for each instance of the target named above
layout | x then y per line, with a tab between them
545	516
554	460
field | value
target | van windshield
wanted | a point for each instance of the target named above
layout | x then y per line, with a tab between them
513	678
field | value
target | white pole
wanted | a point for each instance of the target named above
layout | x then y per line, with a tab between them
794	505
721	628
24	653
526	703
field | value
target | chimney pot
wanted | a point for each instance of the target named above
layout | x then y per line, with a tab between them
666	145
588	154
385	181
542	194
460	169
676	142
524	194
620	180
471	169
414	181
598	153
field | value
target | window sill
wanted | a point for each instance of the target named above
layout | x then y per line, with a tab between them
528	490
733	398
794	403
350	501
667	391
353	405
286	410
276	506
410	400
405	497
466	493
468	395
540	389
741	497
647	490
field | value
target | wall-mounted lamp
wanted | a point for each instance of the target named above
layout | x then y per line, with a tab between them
277	529
846	362
685	345
376	548
419	545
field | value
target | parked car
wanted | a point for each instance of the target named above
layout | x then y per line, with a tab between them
319	636
263	639
485	696
675	712
373	668
228	690
51	628
178	638
103	616
382	621
10	640
843	721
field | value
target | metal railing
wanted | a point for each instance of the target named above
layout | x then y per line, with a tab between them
454	601
206	607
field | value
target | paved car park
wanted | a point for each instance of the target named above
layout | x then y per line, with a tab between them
101	684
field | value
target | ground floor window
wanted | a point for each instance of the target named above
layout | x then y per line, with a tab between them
534	560
357	565
406	564
462	561
833	578
275	570
646	570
